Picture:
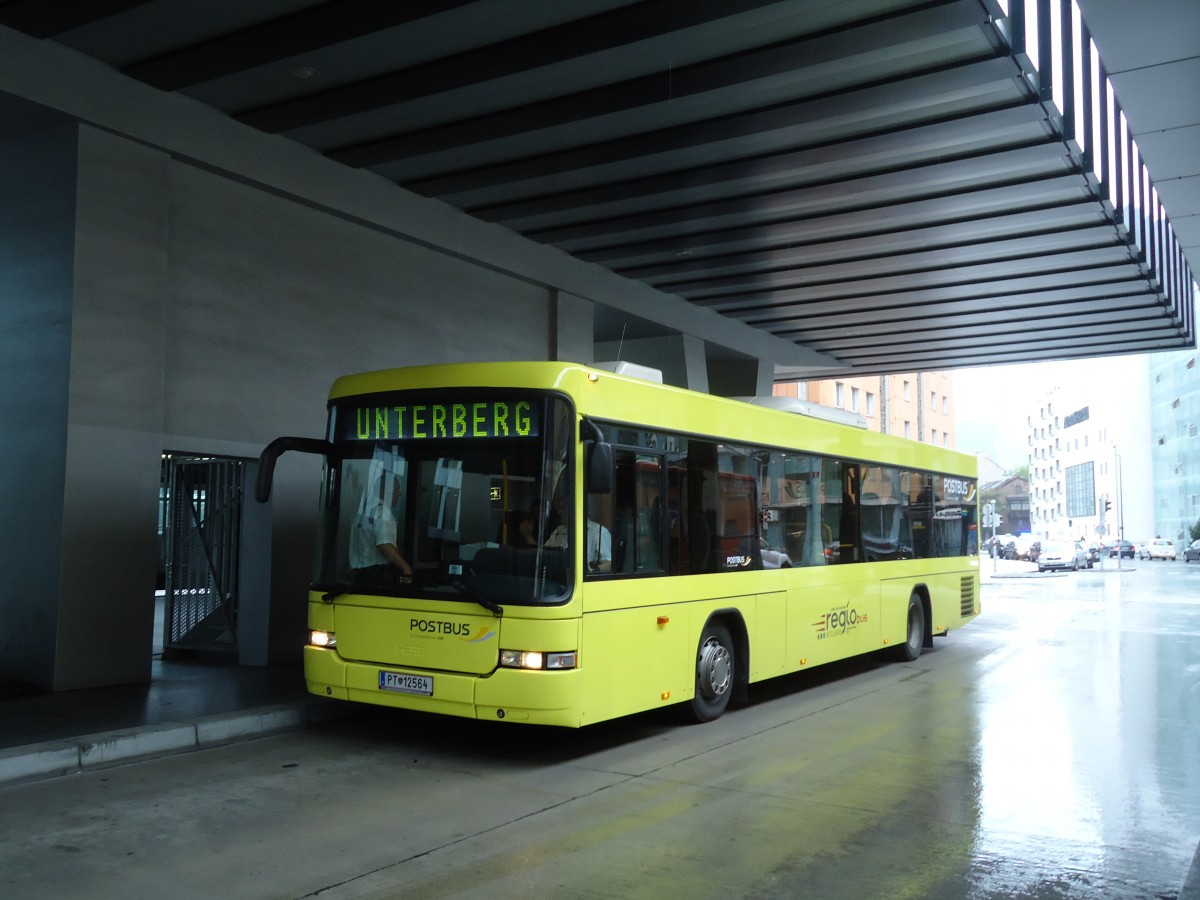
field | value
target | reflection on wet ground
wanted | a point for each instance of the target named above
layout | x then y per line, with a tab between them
1089	743
1050	749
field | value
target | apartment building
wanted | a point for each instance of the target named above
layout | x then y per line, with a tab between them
917	406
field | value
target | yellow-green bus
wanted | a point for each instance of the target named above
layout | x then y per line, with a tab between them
558	544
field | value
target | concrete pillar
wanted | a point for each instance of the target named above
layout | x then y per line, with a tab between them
114	423
571	328
696	364
37	232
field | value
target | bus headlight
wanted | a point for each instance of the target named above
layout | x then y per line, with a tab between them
322	639
537	660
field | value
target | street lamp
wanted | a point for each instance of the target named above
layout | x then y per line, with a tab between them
1120	496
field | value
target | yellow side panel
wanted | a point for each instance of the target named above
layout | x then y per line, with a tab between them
635	662
946	592
893	621
768	637
833	617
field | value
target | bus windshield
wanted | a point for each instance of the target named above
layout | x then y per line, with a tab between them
451	495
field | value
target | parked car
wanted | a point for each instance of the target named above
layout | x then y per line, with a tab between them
1062	555
1005	546
773	558
1159	548
1122	549
1088	559
1191	551
1026	547
994	546
1094	553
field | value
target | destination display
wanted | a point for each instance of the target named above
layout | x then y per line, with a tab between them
454	418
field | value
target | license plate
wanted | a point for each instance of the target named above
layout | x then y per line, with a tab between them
406	684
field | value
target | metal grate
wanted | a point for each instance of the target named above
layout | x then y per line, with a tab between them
204	499
968	596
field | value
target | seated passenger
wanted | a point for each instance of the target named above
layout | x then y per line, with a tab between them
522	534
597	546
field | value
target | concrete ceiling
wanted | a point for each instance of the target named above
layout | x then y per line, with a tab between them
877	180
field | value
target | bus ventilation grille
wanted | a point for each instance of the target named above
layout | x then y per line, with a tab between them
968	596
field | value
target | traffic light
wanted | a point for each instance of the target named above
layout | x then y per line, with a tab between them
998	518
1107	505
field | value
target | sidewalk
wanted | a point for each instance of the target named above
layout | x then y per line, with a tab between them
186	706
1015	568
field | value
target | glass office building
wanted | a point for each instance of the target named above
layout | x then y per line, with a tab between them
1175	443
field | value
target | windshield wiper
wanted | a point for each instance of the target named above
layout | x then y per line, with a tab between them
495	608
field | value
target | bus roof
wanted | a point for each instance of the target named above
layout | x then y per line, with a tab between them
619	397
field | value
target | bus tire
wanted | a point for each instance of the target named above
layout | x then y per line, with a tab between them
915	637
716	666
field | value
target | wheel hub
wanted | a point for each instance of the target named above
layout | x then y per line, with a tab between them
713	668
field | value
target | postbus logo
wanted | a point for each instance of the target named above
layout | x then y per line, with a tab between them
957	487
443	628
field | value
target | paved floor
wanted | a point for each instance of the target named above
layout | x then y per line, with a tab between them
194	704
178	691
185	692
187	705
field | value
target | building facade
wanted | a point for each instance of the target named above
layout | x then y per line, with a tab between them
1175	444
1011	497
1074	472
917	406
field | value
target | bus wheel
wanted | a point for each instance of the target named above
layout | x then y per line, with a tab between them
714	673
911	648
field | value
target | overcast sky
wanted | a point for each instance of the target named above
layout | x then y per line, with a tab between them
993	403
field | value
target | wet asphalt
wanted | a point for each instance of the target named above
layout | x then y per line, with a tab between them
1050	749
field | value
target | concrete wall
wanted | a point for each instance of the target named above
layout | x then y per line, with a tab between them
37	223
230	313
175	281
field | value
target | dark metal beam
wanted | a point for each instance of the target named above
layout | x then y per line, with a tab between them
275	39
620	27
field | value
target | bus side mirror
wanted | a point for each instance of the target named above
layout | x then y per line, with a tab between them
600	469
276	449
598	461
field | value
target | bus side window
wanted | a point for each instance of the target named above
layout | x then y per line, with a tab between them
624	542
637	515
649	514
703	507
839	511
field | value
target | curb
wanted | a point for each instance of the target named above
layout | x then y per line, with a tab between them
1009	576
1191	884
74	755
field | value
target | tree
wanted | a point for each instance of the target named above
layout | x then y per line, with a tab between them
1196	531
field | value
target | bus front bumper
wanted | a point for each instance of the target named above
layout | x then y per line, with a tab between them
509	695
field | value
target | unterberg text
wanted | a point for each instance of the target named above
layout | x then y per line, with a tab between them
420	421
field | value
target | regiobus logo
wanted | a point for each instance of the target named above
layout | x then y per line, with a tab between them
838	621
